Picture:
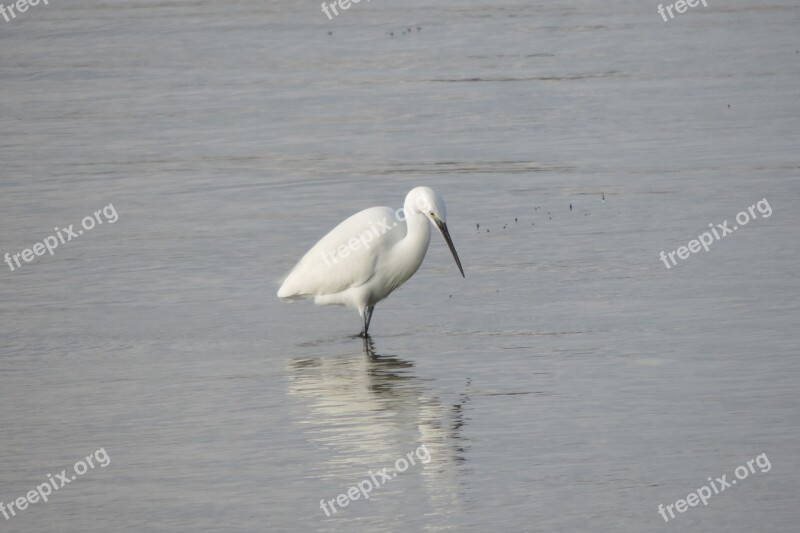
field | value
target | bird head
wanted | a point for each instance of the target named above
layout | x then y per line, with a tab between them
430	204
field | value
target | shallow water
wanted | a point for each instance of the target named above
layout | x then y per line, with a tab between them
571	382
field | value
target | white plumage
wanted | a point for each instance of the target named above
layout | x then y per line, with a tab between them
369	255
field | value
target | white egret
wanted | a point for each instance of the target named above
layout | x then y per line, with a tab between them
366	257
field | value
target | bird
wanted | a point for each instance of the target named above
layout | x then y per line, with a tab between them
369	255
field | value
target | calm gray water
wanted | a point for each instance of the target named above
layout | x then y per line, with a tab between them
570	383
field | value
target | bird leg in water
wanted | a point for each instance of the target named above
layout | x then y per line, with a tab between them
370	309
366	319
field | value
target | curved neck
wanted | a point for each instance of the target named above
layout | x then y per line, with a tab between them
418	228
414	245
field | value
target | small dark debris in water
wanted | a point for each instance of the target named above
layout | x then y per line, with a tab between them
409	30
391	33
451	296
330	33
477	226
515	219
533	224
729	106
604	197
504	226
570	207
419	28
487	231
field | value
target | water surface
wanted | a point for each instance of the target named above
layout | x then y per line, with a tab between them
571	382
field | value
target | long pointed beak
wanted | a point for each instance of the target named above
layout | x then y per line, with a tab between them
442	227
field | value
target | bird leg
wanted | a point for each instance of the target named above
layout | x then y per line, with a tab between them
370	309
366	318
363	325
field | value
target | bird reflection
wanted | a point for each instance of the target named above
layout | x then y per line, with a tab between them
367	410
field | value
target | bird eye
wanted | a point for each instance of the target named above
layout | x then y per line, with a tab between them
431	213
